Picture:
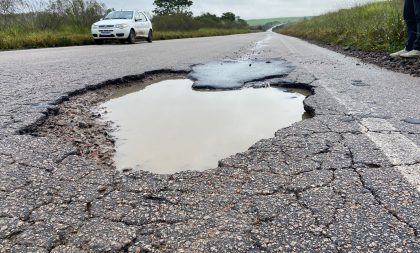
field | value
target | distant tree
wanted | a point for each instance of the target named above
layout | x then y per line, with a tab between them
208	15
78	13
167	7
228	16
209	20
175	22
241	22
10	6
6	6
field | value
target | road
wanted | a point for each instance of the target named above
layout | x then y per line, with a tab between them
346	180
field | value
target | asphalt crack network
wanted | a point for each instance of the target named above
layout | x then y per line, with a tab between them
297	191
377	197
391	212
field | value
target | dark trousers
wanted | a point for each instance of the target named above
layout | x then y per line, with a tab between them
412	19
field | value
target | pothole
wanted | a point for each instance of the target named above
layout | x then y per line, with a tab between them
169	127
163	125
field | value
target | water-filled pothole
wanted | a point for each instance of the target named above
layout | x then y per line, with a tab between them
169	127
166	126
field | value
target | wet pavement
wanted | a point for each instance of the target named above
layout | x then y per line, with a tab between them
168	127
235	74
346	180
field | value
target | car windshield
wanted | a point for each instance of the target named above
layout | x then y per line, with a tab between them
120	15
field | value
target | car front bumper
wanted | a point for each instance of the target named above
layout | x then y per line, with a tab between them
110	33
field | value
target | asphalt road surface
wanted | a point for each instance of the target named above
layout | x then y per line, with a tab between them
346	180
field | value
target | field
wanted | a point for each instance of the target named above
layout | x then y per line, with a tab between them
203	32
261	22
371	27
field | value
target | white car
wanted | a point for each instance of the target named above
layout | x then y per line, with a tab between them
123	26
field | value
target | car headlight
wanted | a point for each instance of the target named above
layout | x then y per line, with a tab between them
121	26
95	26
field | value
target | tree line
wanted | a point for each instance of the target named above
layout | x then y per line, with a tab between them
173	15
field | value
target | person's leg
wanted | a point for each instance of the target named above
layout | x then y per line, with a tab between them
410	20
416	45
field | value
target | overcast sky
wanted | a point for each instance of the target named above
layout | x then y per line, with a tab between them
248	9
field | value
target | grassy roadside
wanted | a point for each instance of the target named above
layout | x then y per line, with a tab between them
18	40
203	32
11	40
261	22
377	27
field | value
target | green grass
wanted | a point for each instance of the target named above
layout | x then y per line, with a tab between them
371	27
9	40
204	32
261	22
13	39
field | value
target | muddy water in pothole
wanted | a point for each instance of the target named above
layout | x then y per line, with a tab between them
168	127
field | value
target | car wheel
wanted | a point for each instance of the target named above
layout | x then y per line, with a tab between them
150	37
132	37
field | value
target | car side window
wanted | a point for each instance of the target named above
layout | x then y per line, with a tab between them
143	17
139	16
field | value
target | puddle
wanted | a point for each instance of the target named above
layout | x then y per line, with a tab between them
168	127
230	75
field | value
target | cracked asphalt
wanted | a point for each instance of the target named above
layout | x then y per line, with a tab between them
346	180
